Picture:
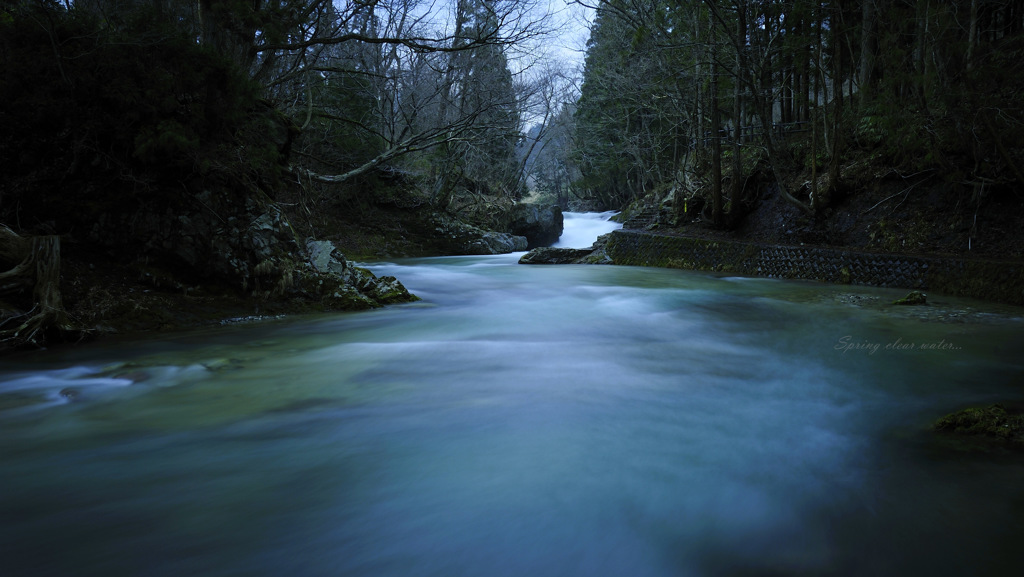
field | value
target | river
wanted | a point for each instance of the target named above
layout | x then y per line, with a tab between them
524	421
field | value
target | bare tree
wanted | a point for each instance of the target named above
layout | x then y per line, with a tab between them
425	75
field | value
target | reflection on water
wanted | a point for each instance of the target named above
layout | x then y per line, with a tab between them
522	421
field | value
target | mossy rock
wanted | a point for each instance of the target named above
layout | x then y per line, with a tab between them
993	422
913	298
347	298
388	290
552	255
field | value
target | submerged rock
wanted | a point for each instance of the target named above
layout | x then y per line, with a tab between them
221	364
72	395
913	298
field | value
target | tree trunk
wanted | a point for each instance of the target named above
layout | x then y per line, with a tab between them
820	85
920	56
765	102
716	140
972	35
36	267
737	115
867	50
804	69
229	30
823	198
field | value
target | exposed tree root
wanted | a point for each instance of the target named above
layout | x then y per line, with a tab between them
35	267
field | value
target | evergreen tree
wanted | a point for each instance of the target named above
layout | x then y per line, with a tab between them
484	92
635	111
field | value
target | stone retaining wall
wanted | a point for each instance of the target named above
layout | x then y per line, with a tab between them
1001	281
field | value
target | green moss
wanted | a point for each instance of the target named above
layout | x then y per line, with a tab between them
844	276
678	263
390	291
912	298
992	421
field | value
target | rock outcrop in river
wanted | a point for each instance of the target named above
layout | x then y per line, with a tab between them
541	225
331	279
557	255
550	255
457	237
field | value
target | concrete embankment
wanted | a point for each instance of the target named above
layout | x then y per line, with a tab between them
1001	281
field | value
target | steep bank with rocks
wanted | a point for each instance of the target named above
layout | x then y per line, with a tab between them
394	215
168	270
166	208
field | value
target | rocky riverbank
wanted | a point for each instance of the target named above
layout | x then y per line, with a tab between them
227	260
105	296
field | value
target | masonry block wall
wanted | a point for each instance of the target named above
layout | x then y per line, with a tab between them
1001	281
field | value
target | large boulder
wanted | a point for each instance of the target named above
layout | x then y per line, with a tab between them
457	237
596	254
541	225
324	257
549	255
491	242
328	277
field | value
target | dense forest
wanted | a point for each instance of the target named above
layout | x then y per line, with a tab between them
204	147
710	103
212	148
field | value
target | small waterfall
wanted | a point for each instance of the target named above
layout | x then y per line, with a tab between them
581	229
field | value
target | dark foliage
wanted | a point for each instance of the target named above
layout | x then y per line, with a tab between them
909	87
99	116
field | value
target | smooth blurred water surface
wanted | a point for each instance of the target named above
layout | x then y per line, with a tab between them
523	421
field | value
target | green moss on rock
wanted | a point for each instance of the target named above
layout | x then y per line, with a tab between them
912	298
993	422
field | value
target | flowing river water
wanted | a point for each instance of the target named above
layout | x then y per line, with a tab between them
525	421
